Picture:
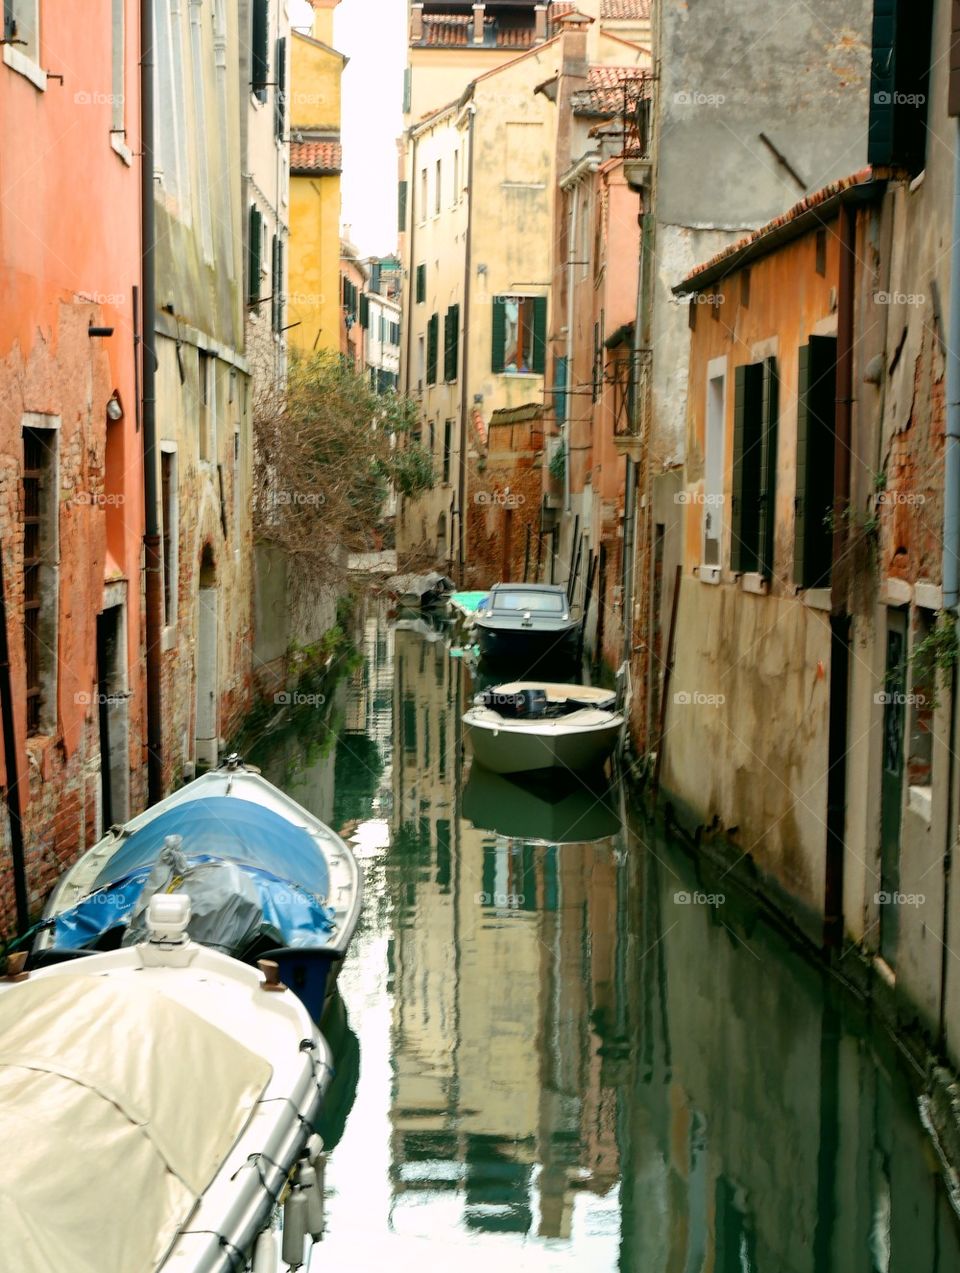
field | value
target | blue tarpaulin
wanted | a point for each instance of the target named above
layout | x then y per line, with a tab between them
225	827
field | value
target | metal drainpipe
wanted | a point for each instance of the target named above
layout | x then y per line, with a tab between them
568	396
630	476
153	560
464	387
951	557
411	212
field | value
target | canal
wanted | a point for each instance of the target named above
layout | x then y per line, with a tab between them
559	1047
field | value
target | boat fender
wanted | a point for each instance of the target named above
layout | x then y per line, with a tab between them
294	1228
312	1187
314	1148
266	1258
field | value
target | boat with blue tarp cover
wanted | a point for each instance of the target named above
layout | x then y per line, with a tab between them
266	879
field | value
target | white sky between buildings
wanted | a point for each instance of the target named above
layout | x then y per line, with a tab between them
372	34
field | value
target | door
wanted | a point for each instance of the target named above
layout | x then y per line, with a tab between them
891	792
112	712
207	730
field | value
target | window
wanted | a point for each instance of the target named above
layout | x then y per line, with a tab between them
21	22
456	178
560	388
451	342
254	243
276	290
712	524
754	467
206	397
447	446
364	311
40	577
169	505
259	49
421	284
519	334
433	340
421	363
900	83
816	394
437	192
280	75
402	206
423	194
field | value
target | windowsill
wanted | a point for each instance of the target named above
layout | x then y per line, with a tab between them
752	581
921	802
25	66
708	574
522	375
119	147
817	598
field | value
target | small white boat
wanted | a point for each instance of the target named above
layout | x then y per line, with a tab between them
523	726
158	1104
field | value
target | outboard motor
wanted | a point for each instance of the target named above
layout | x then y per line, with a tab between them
526	704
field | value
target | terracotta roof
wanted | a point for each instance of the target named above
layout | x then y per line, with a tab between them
316	157
604	92
624	9
455	30
872	179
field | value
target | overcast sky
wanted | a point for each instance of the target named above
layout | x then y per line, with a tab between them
372	34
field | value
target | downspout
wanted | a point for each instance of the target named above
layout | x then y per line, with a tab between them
153	560
839	616
411	212
11	793
951	555
465	367
568	396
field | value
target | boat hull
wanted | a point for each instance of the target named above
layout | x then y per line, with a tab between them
511	748
525	648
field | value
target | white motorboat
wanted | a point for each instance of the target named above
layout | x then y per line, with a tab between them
267	880
157	1103
523	726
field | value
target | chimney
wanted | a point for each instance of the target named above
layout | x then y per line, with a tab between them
540	13
573	29
416	23
478	14
323	20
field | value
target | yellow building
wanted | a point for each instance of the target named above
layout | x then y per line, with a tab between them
313	301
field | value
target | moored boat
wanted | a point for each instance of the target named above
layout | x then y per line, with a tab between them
266	879
527	625
158	1102
524	726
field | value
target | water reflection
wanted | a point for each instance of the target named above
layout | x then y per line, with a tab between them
570	1060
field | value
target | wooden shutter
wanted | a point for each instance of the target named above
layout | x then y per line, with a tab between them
365	311
433	333
747	416
259	49
816	400
560	388
451	342
768	468
421	284
402	206
255	238
539	363
279	285
274	282
499	333
280	75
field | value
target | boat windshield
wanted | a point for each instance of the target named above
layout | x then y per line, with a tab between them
544	602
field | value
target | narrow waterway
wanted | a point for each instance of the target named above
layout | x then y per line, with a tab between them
560	1048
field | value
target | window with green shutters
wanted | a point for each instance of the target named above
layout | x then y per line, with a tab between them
451	342
900	83
254	241
519	335
421	284
816	399
364	311
259	49
560	389
276	288
280	75
755	414
433	340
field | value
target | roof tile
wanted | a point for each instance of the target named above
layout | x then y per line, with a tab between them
316	156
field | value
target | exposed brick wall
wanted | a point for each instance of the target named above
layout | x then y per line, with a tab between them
504	499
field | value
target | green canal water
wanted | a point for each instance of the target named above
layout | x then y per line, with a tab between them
558	1049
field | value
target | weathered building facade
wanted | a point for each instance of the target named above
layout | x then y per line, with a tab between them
71	511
